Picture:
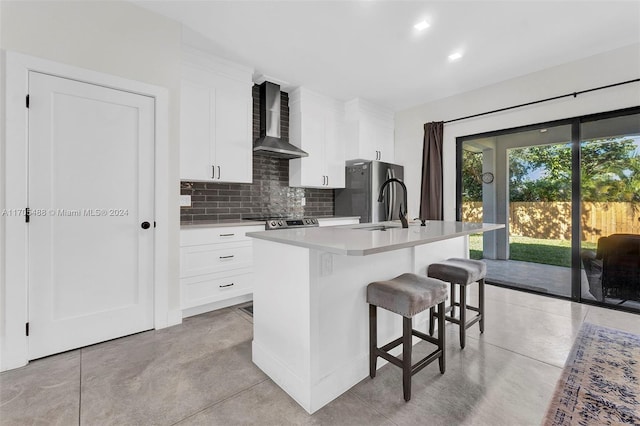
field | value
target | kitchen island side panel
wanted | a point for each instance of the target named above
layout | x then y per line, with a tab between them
281	316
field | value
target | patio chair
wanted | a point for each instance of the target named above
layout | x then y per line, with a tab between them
620	254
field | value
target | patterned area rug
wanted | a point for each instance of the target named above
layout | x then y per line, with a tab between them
600	383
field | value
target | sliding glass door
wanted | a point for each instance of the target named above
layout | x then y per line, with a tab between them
610	203
569	193
525	178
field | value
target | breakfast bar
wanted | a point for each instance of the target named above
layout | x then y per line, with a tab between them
310	315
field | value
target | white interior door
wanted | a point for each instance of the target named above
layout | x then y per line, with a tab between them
91	186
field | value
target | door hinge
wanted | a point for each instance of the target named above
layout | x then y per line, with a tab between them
27	215
27	329
27	101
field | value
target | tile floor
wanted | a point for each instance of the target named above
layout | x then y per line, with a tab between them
200	373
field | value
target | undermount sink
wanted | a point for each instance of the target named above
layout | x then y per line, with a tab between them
378	227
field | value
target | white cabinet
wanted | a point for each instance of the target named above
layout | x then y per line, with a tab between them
316	125
216	265
216	109
369	132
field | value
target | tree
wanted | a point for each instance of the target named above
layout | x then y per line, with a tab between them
471	176
540	173
610	171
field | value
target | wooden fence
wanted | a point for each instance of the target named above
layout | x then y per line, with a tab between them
552	220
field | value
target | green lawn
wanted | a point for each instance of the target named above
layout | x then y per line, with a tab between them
550	252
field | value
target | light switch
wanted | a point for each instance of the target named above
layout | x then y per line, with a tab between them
185	201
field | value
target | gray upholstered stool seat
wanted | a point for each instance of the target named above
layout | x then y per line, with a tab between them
407	295
458	271
462	272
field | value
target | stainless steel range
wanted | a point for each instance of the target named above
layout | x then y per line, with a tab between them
272	223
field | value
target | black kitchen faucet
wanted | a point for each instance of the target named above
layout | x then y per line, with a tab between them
403	213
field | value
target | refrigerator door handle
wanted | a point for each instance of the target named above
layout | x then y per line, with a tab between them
394	196
389	197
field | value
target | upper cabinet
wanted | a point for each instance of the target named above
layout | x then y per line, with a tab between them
369	131
215	120
316	125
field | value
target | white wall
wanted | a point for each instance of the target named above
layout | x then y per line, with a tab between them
111	37
608	68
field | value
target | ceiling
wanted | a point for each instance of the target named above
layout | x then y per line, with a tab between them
369	49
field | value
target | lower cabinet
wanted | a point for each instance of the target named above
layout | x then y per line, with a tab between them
204	289
216	267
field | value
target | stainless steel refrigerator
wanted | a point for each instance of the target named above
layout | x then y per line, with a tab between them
360	195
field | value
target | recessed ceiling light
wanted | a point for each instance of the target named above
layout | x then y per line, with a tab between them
422	25
455	56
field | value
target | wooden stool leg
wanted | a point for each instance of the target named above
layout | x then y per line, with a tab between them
431	321
406	357
373	340
463	315
453	300
481	303
441	334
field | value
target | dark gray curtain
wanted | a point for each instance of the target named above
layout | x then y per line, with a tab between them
431	189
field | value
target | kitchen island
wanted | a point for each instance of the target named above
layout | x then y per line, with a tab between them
310	312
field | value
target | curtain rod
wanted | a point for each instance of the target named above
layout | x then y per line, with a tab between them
574	94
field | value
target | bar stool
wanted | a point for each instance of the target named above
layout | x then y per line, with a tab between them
406	295
462	272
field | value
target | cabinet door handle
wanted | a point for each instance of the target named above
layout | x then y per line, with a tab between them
213	172
227	257
225	285
327	180
227	235
218	172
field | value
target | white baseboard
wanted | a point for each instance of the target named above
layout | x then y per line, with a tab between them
197	310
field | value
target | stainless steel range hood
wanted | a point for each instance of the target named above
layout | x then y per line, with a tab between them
269	142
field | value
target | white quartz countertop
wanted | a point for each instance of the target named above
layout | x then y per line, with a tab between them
361	240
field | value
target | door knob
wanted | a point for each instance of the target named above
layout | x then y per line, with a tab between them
145	225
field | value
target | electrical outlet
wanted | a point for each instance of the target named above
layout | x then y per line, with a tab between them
303	202
326	264
185	201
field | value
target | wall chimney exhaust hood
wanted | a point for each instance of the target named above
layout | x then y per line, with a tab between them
269	142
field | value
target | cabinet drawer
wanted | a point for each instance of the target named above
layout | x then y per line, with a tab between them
200	290
212	258
213	235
